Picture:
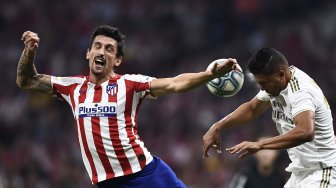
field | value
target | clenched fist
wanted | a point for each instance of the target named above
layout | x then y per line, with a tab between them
31	40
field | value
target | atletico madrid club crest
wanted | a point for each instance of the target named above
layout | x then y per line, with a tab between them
112	89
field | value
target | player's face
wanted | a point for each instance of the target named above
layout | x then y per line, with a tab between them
102	56
272	84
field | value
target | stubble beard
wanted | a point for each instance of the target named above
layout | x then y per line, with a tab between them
97	73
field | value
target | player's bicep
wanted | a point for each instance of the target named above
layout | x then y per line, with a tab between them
249	111
305	121
161	86
258	106
305	125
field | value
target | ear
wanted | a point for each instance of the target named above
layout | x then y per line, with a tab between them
87	53
118	62
282	74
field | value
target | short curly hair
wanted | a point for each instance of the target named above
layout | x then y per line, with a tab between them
266	61
112	32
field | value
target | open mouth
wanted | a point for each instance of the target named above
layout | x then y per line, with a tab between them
99	60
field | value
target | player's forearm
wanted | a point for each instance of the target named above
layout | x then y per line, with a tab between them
187	81
291	139
26	69
242	115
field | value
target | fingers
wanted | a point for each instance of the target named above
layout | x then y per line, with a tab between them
234	64
242	149
207	147
206	150
214	68
233	60
237	67
30	39
236	149
230	150
219	144
218	148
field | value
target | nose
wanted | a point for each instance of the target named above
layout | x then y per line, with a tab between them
100	51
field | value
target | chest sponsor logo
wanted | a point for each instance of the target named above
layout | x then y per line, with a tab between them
279	114
107	109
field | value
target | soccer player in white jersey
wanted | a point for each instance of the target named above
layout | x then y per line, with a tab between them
105	106
302	117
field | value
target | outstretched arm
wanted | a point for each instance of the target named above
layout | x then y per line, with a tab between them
187	81
242	115
27	76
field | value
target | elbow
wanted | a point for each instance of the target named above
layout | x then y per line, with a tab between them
22	84
19	83
308	136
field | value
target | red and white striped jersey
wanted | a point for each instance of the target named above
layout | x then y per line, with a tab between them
107	127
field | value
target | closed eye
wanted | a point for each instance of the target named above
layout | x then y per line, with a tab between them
97	45
109	48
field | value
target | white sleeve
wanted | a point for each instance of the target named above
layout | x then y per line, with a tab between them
263	96
301	101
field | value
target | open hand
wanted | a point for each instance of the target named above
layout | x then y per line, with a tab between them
244	149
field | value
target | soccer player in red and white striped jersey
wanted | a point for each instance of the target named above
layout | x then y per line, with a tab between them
105	106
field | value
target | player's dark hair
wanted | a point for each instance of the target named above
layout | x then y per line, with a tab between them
112	32
266	61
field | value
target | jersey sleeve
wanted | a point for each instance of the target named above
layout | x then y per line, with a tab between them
141	84
263	96
301	101
62	85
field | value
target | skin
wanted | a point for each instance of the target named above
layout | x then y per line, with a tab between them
27	76
102	60
103	48
249	111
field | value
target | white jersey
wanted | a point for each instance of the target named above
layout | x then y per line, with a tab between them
106	117
303	94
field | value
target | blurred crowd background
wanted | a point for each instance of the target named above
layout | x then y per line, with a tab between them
38	141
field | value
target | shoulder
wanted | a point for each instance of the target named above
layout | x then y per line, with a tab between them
68	80
300	81
137	77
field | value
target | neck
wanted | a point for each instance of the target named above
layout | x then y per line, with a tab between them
96	79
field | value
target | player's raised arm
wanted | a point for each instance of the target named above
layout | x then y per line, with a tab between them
27	76
187	81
